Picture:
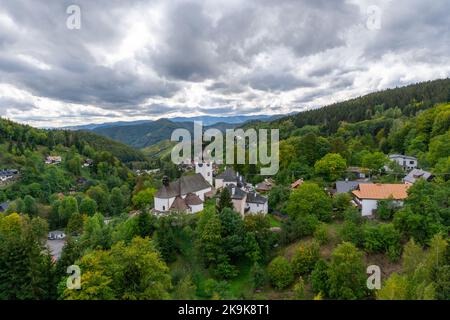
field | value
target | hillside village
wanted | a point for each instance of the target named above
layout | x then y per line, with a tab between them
188	193
370	192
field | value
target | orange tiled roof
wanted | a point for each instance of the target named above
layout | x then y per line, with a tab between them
296	184
380	191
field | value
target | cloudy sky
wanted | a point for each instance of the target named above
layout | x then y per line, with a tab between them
145	59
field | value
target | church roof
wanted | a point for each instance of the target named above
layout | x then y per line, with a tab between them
192	199
179	204
183	186
229	175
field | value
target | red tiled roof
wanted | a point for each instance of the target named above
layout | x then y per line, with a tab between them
381	191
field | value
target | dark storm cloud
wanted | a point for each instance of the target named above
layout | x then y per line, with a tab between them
413	25
276	82
241	52
12	104
74	74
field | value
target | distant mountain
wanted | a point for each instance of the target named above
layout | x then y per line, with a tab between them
212	120
207	121
145	133
149	133
93	126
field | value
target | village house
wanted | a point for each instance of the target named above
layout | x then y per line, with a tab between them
367	195
4	206
406	162
8	174
228	177
56	235
139	172
238	198
416	174
265	186
358	172
296	184
53	160
347	186
257	203
88	162
247	202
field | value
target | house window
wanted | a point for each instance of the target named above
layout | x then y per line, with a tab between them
164	208
411	162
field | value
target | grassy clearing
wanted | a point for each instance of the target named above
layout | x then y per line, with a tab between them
274	222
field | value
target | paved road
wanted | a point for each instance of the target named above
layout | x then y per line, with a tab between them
56	247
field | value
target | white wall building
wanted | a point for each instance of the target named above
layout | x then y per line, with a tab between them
247	202
185	194
227	178
406	162
206	170
257	203
367	195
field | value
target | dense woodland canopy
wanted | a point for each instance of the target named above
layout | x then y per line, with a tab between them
321	250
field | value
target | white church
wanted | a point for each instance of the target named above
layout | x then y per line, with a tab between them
188	193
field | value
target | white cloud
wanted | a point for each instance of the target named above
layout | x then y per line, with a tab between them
147	59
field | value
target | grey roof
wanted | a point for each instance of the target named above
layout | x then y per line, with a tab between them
229	175
401	156
182	186
192	199
254	197
347	186
4	206
417	174
8	172
264	186
179	204
238	192
56	232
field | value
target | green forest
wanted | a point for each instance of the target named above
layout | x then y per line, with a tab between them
310	246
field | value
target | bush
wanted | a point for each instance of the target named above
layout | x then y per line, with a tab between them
309	199
352	232
299	289
299	227
383	238
347	273
319	277
341	202
322	234
305	258
258	275
386	209
280	273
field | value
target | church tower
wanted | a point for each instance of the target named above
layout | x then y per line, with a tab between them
206	170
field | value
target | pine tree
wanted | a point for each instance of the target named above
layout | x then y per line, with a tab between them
224	200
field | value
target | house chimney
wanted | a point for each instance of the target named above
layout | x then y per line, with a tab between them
165	181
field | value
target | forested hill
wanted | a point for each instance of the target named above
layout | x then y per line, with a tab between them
409	99
147	134
20	137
